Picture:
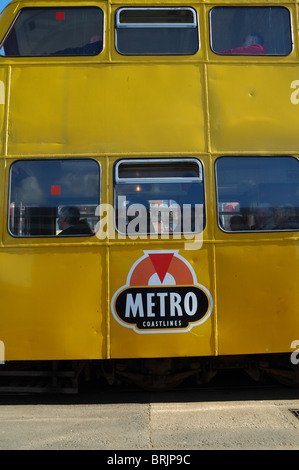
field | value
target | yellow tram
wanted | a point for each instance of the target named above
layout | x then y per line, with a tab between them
150	187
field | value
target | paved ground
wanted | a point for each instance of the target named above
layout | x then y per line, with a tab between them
180	420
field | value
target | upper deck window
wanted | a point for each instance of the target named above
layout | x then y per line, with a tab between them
251	30
69	31
258	193
156	31
159	196
54	197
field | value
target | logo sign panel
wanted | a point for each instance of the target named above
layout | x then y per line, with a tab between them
161	295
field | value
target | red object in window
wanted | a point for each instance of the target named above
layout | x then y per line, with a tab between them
55	190
59	15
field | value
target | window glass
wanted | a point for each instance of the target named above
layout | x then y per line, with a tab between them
258	193
251	30
156	31
70	31
159	196
53	197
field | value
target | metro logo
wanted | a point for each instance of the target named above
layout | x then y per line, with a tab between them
161	295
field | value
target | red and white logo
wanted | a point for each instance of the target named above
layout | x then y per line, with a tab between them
161	295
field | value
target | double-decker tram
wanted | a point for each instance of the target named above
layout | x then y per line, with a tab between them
149	202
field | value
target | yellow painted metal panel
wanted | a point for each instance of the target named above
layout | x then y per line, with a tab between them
133	340
257	296
59	301
251	108
104	108
53	303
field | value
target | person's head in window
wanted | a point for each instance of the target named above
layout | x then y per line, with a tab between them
253	38
69	222
253	44
68	216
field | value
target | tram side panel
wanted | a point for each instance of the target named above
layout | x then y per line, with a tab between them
101	108
256	254
253	104
53	303
257	297
162	301
53	289
253	107
161	267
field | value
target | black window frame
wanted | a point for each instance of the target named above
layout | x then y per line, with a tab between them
52	55
130	181
257	204
57	206
130	25
244	7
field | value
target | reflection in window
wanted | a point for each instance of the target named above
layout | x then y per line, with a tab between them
156	31
69	31
159	196
258	193
251	30
53	197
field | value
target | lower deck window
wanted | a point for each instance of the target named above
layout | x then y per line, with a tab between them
258	193
53	197
159	196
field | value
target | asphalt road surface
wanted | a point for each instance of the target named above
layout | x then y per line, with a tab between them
221	418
